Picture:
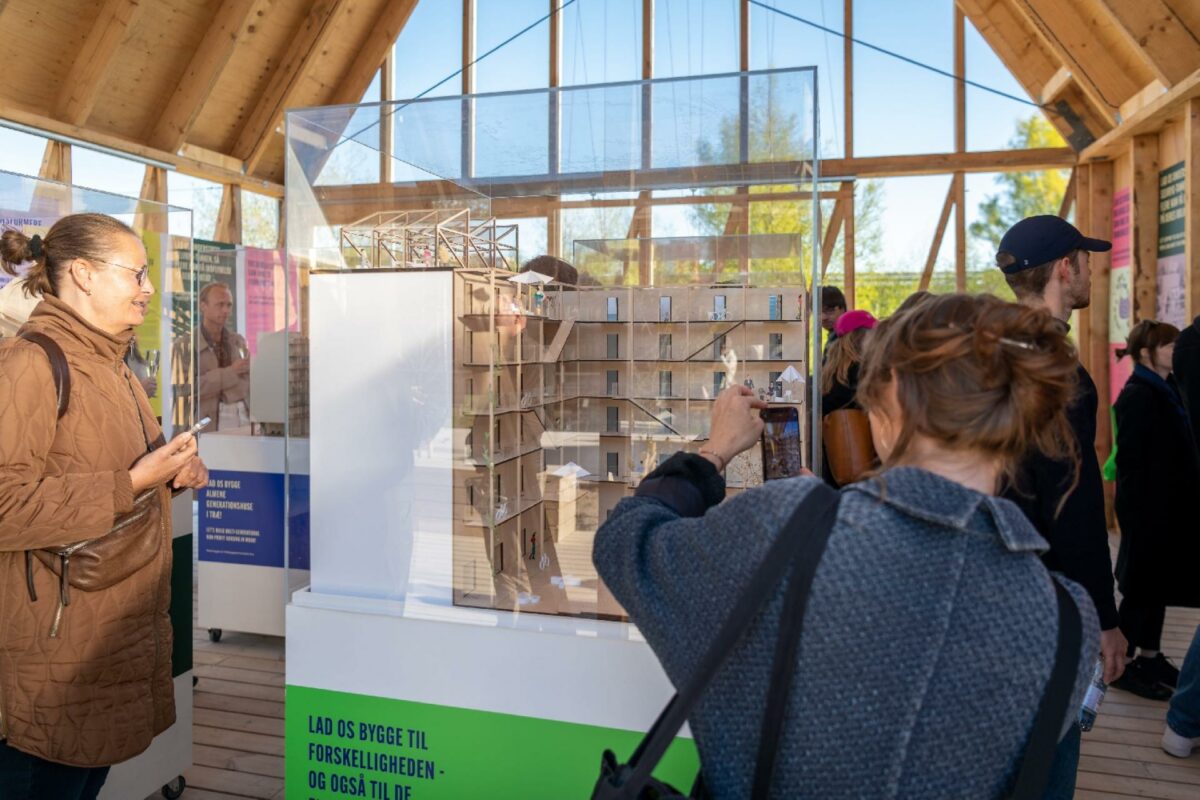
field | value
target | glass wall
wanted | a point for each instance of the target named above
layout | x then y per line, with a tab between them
532	384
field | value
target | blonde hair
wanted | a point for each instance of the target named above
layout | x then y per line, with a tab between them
844	353
86	236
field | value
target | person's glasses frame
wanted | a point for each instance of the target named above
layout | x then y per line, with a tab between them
141	273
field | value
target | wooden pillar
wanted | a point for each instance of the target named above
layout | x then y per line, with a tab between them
939	234
387	127
1082	329
56	162
468	88
154	189
1100	226
645	256
1143	153
1192	204
960	146
229	216
848	243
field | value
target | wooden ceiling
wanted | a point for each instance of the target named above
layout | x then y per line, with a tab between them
1094	64
202	84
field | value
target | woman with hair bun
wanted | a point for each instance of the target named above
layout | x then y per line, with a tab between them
1158	480
931	626
85	672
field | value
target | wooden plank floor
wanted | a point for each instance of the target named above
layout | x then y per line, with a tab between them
238	727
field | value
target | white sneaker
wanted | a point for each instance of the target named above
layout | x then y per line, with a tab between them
1176	745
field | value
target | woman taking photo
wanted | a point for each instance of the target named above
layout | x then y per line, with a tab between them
1158	480
931	627
85	674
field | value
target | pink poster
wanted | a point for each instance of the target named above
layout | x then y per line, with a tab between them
266	301
1120	298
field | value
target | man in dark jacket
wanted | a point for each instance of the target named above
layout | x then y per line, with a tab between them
1186	366
1045	262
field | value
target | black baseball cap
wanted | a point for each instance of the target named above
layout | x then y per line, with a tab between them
1039	240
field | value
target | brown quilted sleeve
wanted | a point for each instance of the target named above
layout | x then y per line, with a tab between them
38	510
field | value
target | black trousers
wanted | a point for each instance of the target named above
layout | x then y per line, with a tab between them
26	777
1142	623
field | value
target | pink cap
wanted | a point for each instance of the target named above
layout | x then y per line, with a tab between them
852	321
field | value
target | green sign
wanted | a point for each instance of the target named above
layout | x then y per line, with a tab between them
1172	208
348	745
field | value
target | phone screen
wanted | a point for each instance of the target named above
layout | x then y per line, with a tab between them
781	443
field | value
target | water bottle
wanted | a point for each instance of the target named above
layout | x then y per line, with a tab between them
1093	698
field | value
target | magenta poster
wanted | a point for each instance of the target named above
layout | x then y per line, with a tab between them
1120	298
266	300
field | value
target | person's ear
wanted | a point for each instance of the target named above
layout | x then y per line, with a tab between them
81	273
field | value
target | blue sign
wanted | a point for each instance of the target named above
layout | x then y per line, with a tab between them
298	550
242	519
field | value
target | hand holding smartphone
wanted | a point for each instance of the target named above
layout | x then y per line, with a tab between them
781	457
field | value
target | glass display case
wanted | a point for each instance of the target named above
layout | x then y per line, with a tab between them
520	402
33	205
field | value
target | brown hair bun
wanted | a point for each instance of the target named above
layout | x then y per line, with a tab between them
976	373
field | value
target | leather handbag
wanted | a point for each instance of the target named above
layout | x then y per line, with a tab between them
132	542
848	445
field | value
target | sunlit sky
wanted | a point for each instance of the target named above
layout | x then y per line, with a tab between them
899	108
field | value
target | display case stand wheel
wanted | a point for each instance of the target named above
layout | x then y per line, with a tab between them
174	789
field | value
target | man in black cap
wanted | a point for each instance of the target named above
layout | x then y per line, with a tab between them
1045	262
1186	366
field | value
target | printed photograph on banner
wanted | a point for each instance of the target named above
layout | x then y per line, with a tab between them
1171	305
1120	308
15	304
145	355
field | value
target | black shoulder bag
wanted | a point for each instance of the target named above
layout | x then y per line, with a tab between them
800	546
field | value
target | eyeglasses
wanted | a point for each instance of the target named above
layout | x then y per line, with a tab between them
141	273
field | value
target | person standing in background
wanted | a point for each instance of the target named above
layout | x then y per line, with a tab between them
833	305
221	363
1045	262
1185	364
1158	478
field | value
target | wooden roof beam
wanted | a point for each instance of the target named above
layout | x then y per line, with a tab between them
1020	46
171	128
1158	36
1149	118
259	129
371	53
80	88
1101	66
190	164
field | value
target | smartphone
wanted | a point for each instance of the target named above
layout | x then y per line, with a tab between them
781	443
199	426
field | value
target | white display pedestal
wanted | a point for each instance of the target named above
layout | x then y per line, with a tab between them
388	682
243	582
170	754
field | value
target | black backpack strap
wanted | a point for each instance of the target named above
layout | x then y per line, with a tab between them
1043	739
791	624
58	367
812	520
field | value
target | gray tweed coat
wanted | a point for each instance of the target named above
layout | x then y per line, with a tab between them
928	640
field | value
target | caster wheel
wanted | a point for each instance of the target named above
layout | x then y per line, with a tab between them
174	789
214	634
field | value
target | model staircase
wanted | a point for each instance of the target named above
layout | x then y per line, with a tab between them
555	348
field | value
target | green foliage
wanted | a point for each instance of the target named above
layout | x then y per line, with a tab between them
777	136
1023	194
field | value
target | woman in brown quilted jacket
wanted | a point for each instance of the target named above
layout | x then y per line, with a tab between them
86	683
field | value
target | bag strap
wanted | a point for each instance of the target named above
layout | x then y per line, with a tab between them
1043	739
58	367
816	512
791	624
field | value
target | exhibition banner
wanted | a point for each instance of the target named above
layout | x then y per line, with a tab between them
1120	299
1172	267
266	299
341	745
149	334
29	224
242	519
